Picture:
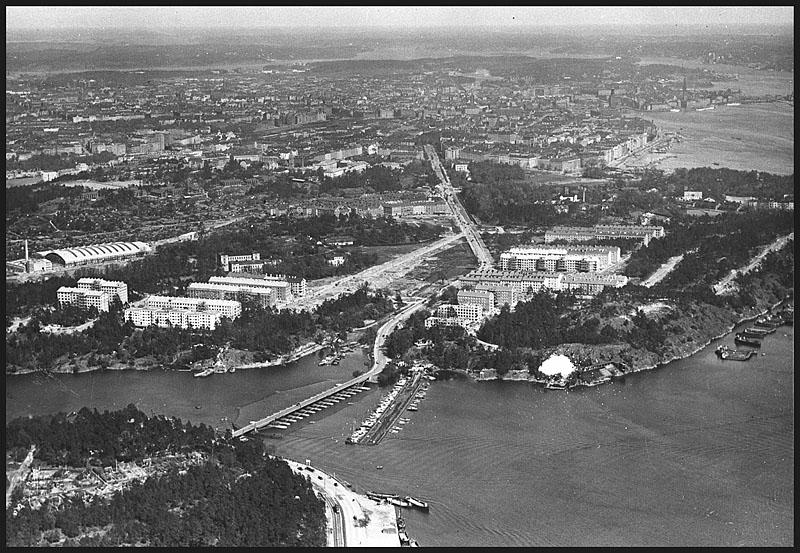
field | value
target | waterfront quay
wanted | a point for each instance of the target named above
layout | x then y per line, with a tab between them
353	519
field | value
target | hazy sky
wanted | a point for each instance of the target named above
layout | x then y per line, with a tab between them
407	16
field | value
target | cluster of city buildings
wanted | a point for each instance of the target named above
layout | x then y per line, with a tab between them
526	270
208	302
322	120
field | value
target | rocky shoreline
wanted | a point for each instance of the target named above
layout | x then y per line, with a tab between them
638	359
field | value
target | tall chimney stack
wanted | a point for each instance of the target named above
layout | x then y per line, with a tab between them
26	249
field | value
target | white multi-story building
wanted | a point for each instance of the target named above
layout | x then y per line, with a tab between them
503	295
281	290
226	308
592	283
83	298
559	258
599	232
455	315
297	285
522	282
484	298
144	317
225	259
111	287
209	290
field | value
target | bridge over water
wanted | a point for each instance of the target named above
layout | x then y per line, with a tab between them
327	398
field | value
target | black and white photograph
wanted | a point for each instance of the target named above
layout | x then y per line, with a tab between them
399	276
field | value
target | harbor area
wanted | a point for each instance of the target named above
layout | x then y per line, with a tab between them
386	418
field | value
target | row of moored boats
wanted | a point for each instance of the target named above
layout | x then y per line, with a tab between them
752	336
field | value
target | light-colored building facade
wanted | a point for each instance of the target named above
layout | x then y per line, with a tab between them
484	298
144	317
503	295
559	258
455	315
83	298
522	282
225	259
592	283
98	253
600	232
226	308
208	290
281	290
297	285
111	287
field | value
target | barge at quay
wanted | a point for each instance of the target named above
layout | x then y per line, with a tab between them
743	340
398	500
754	332
728	354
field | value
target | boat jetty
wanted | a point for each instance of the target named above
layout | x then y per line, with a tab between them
339	351
405	394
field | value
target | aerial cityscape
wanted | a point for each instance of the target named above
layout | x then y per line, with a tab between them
399	276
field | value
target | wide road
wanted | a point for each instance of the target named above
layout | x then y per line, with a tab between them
378	276
379	358
665	268
458	212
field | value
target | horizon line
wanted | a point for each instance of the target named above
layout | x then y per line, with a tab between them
509	26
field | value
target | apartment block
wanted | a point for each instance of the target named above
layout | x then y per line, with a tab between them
83	298
207	290
111	287
281	290
484	298
227	308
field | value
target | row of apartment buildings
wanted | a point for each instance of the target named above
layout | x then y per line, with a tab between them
554	258
604	232
168	311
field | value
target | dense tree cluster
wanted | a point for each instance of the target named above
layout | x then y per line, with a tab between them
535	323
68	315
717	182
237	497
25	200
125	435
489	172
379	178
21	298
729	238
518	203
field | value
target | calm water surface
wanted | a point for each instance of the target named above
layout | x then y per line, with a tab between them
700	452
